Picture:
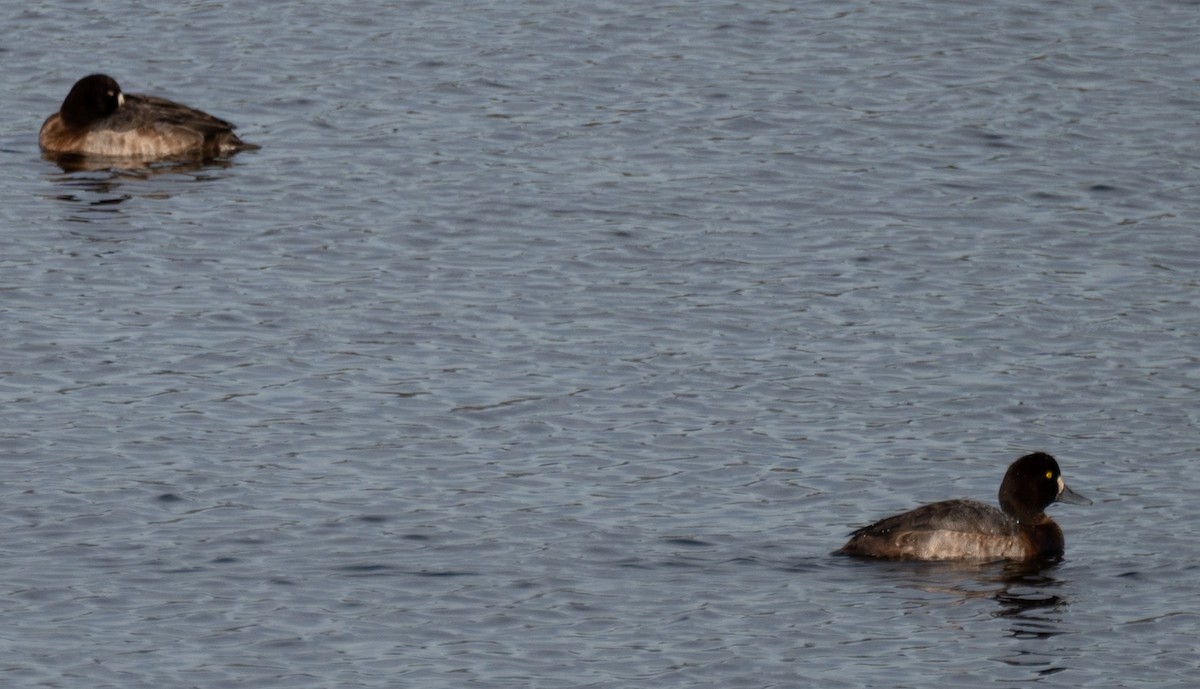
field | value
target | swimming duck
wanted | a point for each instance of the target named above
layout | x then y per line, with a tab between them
98	119
971	530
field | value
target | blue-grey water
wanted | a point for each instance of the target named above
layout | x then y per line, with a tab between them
554	344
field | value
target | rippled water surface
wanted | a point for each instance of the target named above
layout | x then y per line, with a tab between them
549	344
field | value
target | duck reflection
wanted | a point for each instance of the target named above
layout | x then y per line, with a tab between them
1024	588
1020	588
71	162
100	184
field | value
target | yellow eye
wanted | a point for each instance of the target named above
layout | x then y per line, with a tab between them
1049	474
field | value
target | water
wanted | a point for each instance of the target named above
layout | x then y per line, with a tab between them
550	345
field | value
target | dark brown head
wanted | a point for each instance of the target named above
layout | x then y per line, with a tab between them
92	98
1031	484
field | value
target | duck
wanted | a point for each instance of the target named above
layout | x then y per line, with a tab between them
98	119
972	530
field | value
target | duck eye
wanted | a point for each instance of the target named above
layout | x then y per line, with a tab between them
1049	474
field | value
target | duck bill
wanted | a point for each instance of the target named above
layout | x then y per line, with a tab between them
1068	495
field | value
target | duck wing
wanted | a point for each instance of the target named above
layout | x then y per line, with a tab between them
164	127
947	530
963	516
